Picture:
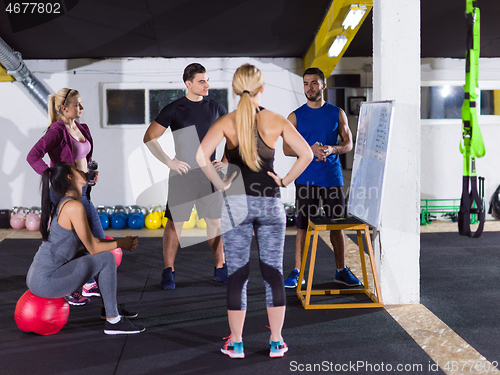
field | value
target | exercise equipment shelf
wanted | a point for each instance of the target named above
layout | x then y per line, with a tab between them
322	224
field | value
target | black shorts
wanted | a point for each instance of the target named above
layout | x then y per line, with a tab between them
307	203
193	188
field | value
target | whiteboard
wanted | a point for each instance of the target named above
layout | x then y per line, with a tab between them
368	171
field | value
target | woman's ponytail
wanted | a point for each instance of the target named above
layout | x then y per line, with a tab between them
53	114
46	204
246	128
55	183
247	82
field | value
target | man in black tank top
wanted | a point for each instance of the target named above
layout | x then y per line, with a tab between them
189	117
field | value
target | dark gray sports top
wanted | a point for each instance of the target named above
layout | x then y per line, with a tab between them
60	247
258	184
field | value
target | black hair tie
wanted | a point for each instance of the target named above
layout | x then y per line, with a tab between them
246	91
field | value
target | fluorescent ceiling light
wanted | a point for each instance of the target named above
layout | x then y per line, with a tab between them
337	46
354	16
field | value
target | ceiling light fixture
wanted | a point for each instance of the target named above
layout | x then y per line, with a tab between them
354	16
337	46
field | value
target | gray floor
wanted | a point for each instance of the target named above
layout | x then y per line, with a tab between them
186	326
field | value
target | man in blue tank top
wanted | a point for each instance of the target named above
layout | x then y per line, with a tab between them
320	186
189	117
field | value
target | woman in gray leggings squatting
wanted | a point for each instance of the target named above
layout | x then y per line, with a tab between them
57	268
252	202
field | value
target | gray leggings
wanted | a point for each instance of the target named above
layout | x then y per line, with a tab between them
241	215
48	282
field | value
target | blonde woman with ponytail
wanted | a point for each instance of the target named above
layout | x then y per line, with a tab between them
252	202
67	140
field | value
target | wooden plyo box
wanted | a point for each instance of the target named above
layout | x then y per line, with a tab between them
323	224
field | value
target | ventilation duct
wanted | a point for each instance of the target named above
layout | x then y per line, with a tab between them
15	66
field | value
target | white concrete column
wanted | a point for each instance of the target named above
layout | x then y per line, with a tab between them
396	76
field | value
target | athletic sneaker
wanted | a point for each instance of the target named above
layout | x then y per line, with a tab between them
233	349
220	274
293	279
168	278
91	291
123	327
76	299
122	311
278	348
346	277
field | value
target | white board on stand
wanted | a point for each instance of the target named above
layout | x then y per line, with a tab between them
368	171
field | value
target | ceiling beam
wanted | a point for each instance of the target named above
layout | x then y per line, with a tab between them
317	55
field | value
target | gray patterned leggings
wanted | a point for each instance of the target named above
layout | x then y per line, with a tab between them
241	215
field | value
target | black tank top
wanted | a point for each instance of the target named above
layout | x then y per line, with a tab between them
258	184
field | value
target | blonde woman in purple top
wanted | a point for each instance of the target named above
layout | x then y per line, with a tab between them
69	141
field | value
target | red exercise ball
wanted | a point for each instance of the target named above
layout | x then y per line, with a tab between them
118	253
44	316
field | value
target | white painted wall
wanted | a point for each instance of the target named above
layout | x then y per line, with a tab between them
396	76
127	182
128	173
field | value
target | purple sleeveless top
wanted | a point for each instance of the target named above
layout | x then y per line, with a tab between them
80	149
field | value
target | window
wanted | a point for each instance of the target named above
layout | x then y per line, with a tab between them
138	104
442	102
160	98
125	107
490	102
445	102
220	95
